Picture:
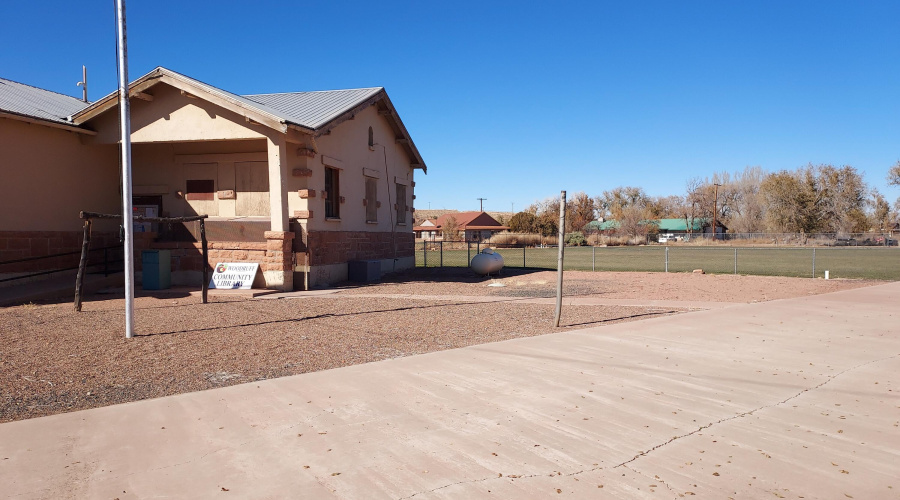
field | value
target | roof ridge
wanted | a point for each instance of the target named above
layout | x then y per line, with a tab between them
44	90
311	91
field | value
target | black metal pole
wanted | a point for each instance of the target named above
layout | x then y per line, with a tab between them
205	286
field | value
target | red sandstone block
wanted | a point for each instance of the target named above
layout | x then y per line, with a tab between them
18	244
278	235
39	246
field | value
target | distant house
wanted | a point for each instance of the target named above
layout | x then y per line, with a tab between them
472	226
427	230
602	227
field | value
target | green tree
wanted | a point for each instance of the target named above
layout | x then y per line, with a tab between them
814	199
522	222
546	224
791	202
842	198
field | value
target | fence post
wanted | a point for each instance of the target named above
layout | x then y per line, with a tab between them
667	258
523	257
82	264
735	261
593	258
468	253
442	253
425	253
560	265
814	262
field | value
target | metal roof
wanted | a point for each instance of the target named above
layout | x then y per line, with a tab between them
31	101
160	71
313	109
681	224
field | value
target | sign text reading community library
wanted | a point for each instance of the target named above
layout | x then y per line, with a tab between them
234	275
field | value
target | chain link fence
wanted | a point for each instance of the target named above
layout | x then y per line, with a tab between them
869	262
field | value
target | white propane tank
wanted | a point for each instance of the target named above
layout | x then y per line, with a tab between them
487	262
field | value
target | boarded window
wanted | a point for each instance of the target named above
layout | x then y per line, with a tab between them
371	199
332	193
252	185
200	190
401	204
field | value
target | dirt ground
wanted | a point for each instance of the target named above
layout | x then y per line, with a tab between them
612	285
53	360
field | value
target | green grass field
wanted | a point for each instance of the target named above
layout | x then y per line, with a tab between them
850	262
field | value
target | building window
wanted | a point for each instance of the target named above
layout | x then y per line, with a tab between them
371	199
200	190
371	138
401	204
332	193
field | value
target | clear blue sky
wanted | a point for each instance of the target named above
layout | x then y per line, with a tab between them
514	101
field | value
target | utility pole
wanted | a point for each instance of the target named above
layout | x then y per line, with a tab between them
715	211
482	200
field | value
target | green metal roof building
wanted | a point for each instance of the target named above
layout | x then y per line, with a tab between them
663	225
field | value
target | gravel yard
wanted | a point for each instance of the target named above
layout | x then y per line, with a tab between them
53	360
612	285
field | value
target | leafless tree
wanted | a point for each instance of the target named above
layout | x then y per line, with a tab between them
450	229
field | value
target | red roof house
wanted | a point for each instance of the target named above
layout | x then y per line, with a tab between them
473	226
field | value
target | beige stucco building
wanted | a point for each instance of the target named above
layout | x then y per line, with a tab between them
301	182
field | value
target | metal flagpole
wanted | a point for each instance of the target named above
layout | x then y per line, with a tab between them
127	216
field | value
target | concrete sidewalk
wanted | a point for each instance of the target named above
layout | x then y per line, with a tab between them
786	399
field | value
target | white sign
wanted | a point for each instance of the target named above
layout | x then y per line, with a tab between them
234	275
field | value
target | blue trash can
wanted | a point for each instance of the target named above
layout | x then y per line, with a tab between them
157	265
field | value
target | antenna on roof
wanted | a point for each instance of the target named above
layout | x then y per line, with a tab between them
83	83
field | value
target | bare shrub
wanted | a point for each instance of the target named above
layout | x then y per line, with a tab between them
515	239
